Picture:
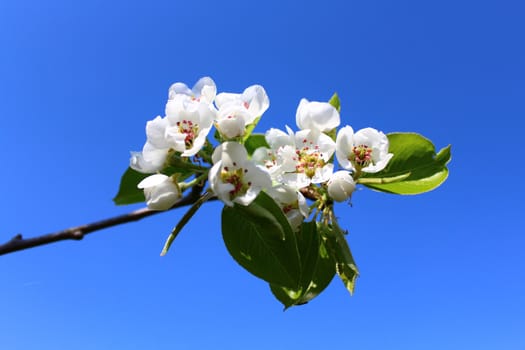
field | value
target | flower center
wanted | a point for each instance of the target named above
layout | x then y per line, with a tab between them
235	177
361	155
309	160
271	161
190	129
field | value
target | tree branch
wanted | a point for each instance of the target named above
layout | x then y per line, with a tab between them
77	233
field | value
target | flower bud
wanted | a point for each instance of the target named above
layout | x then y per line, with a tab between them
160	191
319	116
341	185
232	121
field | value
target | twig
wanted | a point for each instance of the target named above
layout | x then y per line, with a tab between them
77	233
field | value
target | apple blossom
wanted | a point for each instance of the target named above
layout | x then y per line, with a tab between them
254	100
341	185
320	116
234	178
302	158
366	150
190	121
161	191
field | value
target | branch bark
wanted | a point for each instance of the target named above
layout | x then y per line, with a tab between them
18	242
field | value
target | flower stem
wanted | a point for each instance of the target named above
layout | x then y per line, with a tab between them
197	180
189	214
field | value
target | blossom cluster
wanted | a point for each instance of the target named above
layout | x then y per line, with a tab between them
292	165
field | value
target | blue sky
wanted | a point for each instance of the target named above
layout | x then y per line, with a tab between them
78	81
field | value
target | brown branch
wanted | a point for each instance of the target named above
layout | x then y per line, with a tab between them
77	233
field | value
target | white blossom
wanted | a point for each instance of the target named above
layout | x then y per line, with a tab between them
160	191
302	158
184	130
254	100
190	121
341	185
319	116
234	178
367	149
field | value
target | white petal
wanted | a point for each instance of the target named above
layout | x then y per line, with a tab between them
198	143
326	146
323	174
235	151
256	99
246	198
287	158
231	126
303	206
138	163
155	130
320	116
226	97
232	119
258	177
300	114
277	138
178	88
344	145
380	165
176	139
283	194
153	180
217	153
162	199
295	218
295	180
222	191
155	156
205	89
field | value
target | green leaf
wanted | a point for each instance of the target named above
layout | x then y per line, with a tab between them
260	239
318	269
335	102
308	245
128	192
415	167
340	251
255	141
323	275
